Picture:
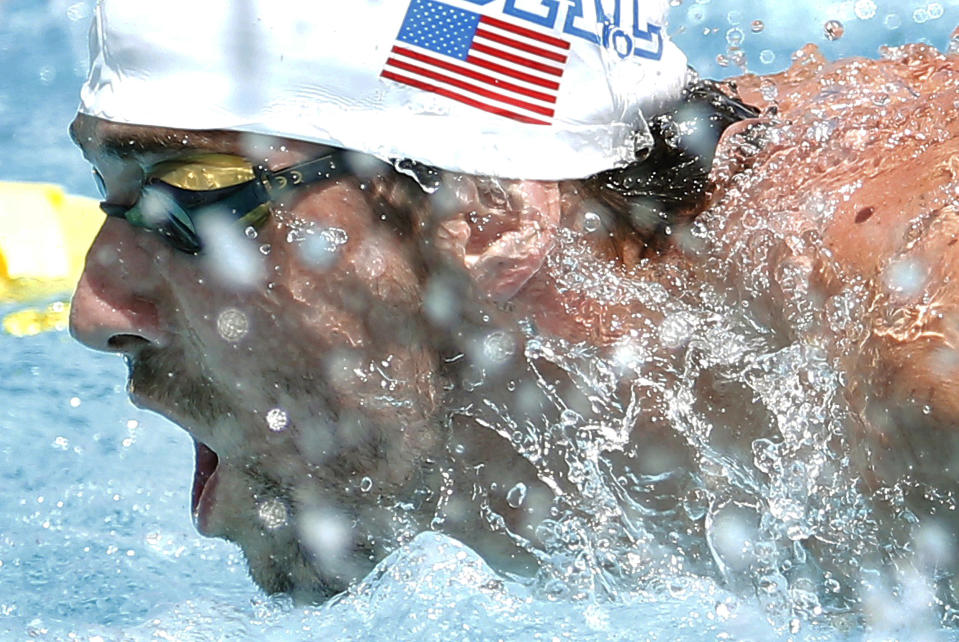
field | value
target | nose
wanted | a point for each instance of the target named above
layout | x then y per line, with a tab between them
115	308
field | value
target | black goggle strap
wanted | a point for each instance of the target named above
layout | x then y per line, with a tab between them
240	200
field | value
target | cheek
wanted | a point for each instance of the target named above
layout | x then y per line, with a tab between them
916	325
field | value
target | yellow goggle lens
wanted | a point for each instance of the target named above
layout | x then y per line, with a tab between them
206	172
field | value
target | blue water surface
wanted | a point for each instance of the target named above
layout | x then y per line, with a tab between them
95	534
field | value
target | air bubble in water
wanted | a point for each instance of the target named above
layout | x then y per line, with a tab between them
834	30
767	57
232	325
277	419
935	11
516	495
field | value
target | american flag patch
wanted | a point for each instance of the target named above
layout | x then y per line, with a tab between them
487	63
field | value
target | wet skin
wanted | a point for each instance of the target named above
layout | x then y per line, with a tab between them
363	361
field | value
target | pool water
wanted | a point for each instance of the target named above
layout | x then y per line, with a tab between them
95	533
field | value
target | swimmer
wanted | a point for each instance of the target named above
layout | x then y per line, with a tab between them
330	273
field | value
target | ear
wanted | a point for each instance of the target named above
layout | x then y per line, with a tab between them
500	231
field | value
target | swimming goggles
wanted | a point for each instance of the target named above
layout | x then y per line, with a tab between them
179	193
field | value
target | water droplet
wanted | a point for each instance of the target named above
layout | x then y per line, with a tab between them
722	611
516	495
592	221
326	534
228	253
366	485
427	177
320	250
250	232
833	30
273	514
722	60
953	47
277	419
232	325
78	11
677	329
498	347
757	26
865	9
735	37
47	74
265	249
906	277
893	21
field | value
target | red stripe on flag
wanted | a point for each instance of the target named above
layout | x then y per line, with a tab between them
512	73
475	75
519	60
522	46
473	89
460	98
529	33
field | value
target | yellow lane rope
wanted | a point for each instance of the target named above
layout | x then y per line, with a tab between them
44	237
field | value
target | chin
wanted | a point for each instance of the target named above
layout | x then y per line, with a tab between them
306	552
282	561
284	567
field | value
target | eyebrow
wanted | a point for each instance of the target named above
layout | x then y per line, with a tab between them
135	143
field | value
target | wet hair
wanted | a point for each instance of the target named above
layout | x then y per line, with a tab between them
667	183
671	180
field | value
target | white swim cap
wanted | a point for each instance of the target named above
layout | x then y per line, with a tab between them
539	89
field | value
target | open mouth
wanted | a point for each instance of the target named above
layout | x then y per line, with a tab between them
206	462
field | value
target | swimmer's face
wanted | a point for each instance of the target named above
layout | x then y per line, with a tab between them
308	385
